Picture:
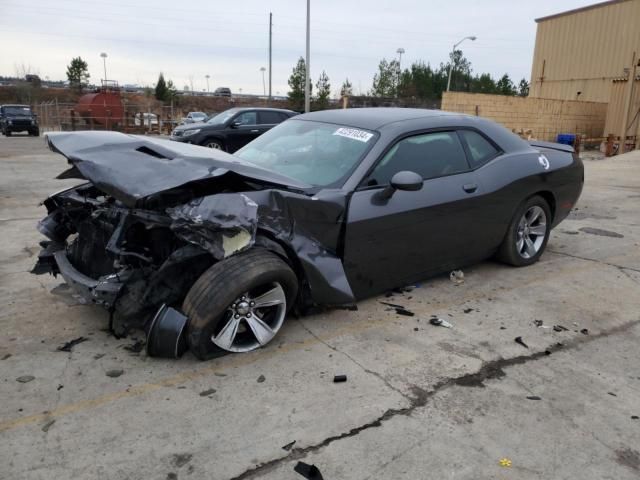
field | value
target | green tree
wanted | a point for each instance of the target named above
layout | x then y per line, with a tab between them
172	91
385	82
523	88
296	84
347	89
483	84
505	86
324	91
78	73
460	73
162	92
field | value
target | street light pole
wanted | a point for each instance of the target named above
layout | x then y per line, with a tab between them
400	51
472	38
264	88
104	61
207	76
307	79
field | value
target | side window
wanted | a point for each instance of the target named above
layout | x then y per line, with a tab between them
270	118
430	155
246	118
480	150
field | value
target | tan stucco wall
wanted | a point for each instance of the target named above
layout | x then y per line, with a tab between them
544	117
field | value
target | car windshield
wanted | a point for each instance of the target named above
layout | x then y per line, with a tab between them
320	154
222	117
198	115
17	110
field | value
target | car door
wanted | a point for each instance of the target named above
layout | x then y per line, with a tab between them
242	129
413	234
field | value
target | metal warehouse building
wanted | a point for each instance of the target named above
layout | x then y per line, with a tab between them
591	54
580	52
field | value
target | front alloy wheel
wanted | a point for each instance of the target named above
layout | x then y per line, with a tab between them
216	145
239	304
252	320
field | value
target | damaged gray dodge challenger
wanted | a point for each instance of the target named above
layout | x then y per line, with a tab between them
209	251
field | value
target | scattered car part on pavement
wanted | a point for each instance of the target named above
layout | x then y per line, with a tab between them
339	378
439	322
25	378
457	277
68	346
521	342
310	472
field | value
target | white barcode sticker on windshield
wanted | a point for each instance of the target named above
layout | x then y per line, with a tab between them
354	134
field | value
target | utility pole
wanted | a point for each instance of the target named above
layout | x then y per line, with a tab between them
307	79
270	38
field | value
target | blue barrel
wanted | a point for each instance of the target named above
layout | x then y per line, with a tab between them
566	138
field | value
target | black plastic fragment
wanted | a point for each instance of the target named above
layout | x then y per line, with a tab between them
67	347
405	312
310	472
521	342
339	378
584	331
534	397
560	328
165	337
289	446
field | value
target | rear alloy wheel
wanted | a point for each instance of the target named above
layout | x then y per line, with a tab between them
215	144
528	233
239	304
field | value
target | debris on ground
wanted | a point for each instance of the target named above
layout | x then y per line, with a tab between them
560	328
4	357
181	459
415	329
339	378
47	426
218	374
584	331
135	347
612	394
400	309
439	322
98	356
521	342
310	472
534	397
289	446
261	379
634	417
457	277
505	462
25	378
538	323
114	373
207	392
468	310
60	387
67	347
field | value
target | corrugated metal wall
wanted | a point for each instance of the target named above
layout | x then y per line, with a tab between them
584	51
615	111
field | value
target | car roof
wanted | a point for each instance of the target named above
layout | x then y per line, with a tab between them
372	118
239	109
14	105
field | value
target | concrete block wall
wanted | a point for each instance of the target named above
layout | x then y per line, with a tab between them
544	118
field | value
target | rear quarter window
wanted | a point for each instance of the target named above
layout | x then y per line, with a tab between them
480	149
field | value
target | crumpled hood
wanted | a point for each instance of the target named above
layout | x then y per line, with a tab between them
132	167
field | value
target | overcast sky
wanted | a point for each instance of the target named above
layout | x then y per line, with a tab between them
229	40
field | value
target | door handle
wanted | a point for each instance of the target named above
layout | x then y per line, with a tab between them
470	187
255	131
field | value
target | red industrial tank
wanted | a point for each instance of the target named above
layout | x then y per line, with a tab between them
105	108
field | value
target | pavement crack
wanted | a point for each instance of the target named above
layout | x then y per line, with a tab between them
356	362
490	370
619	267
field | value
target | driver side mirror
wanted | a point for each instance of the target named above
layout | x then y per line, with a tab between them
405	180
235	124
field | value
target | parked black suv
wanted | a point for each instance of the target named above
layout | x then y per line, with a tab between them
18	118
231	129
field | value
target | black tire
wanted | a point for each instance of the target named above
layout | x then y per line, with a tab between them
218	287
34	133
209	142
508	251
7	133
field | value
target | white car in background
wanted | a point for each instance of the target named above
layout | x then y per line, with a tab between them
194	117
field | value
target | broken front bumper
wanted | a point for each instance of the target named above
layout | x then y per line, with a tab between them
102	291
